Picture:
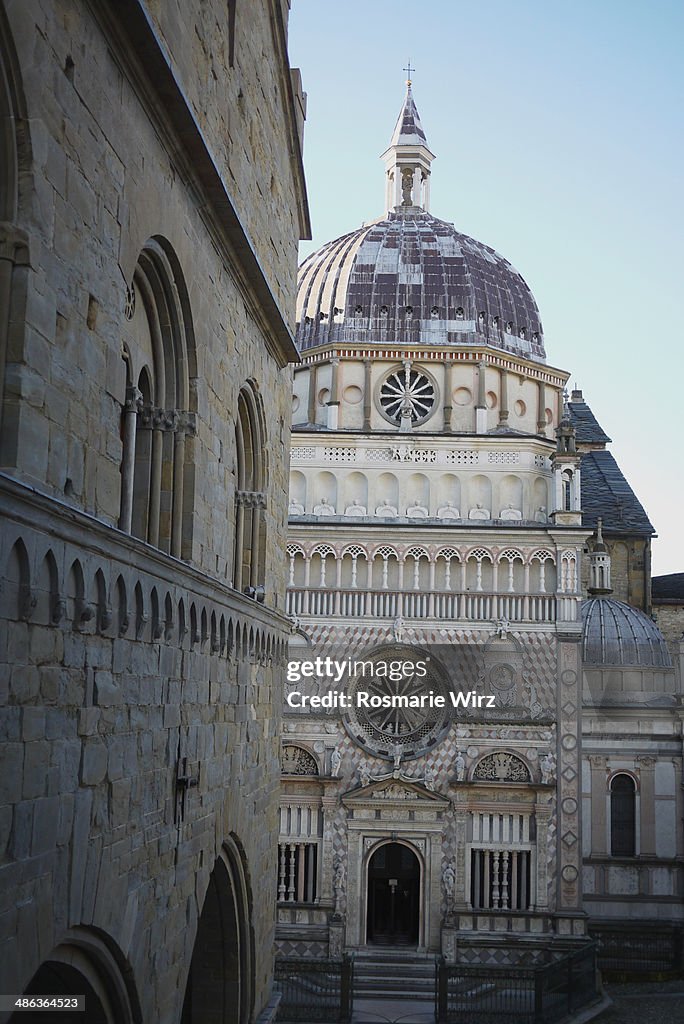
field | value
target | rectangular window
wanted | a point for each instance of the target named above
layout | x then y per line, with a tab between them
298	872
500	879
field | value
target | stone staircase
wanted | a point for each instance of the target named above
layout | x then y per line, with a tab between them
390	972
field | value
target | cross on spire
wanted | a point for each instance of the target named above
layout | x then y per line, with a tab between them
408	71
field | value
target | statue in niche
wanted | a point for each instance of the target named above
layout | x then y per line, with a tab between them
460	766
448	511
547	766
386	510
416	511
323	508
429	777
449	879
478	512
365	775
295	508
407	187
510	513
398	629
335	762
540	515
355	509
338	883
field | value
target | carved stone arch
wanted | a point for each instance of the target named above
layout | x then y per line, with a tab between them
220	984
102	605
140	611
542	555
249	565
168	616
17	598
204	626
296	759
510	555
213	633
478	554
155	614
79	612
49	602
194	625
90	963
158	417
182	623
222	635
123	618
501	766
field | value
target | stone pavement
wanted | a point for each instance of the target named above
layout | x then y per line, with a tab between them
656	1002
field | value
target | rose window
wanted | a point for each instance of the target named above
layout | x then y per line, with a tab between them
387	726
407	393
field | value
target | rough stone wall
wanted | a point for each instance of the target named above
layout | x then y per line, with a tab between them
108	686
670	620
629	570
235	109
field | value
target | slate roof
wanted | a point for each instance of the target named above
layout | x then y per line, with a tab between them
606	493
587	427
413	279
668	588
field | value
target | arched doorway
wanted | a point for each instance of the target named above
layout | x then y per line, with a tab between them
393	915
219	988
89	965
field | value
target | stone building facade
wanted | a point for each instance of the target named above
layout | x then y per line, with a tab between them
447	505
151	201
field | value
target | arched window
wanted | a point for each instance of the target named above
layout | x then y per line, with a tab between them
250	497
622	816
157	416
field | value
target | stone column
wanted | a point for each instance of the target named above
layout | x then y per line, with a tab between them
14	252
130	419
599	829
481	406
541	407
334	402
367	397
503	398
311	413
448	395
647	820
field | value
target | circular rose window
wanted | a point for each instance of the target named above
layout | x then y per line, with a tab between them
409	393
391	704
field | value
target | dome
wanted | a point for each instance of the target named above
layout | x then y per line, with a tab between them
409	278
615	634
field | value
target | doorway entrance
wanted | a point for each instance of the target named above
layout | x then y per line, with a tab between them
393	896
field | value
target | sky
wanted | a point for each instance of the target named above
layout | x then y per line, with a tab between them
558	134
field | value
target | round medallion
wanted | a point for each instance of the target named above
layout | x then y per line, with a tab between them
569	805
569	873
568	742
568	676
407	393
392	708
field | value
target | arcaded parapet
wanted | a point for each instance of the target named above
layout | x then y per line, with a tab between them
146	302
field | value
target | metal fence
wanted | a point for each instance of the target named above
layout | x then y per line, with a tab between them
640	952
544	994
315	990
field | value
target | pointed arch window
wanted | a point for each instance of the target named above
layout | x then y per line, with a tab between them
157	416
623	816
249	565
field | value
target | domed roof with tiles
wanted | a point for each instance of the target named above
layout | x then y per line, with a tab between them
411	278
615	634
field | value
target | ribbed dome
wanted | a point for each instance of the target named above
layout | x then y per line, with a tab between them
617	634
410	278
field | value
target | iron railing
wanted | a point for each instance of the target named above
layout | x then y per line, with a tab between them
544	994
315	990
640	952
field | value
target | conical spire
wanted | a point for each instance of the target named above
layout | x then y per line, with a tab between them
407	161
408	130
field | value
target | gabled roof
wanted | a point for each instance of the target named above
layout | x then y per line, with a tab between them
606	494
587	427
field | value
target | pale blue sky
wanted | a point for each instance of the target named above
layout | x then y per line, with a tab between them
558	134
